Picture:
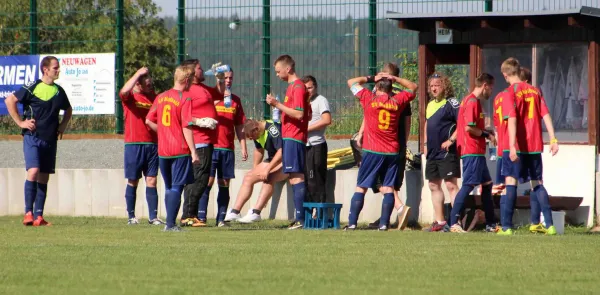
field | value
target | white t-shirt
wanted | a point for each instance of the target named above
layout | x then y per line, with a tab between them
319	106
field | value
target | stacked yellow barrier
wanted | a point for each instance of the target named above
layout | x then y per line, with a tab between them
339	157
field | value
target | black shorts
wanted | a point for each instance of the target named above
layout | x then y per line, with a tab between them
446	168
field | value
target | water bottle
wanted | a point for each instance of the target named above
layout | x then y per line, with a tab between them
276	111
217	69
227	100
493	152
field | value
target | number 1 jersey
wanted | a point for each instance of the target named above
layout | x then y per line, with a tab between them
382	113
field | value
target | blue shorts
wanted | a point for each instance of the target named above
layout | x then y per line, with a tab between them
176	171
499	177
528	167
475	170
294	155
39	154
223	164
141	158
374	166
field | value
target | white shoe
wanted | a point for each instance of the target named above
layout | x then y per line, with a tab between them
133	221
250	218
232	216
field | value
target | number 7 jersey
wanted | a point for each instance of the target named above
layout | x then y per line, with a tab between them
382	113
171	111
525	103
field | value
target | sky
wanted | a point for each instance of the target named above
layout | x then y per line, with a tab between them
358	8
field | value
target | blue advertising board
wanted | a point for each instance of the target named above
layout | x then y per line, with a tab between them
16	71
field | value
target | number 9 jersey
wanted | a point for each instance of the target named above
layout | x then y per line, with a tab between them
171	111
525	103
382	113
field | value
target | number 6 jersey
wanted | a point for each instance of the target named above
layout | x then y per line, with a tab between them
382	113
171	111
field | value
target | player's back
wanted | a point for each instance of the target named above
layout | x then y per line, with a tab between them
500	123
530	108
172	107
382	113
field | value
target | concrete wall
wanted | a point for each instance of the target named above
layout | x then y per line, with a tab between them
100	192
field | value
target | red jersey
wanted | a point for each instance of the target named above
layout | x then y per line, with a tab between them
135	108
500	124
203	107
526	103
382	113
229	118
470	114
296	97
174	109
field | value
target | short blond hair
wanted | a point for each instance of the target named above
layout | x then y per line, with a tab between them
249	126
183	75
511	67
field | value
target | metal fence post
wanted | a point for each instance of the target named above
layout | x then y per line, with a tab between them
119	67
181	31
33	34
372	37
488	5
266	65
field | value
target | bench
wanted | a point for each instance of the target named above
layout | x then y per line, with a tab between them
556	203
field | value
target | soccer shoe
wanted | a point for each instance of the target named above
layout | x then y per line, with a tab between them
537	228
296	225
223	224
198	223
374	224
232	216
133	221
250	218
457	229
174	228
382	228
551	231
186	222
438	227
155	221
508	232
39	221
349	227
492	228
28	219
403	218
497	189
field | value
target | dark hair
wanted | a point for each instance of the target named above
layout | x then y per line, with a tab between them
525	75
46	62
309	78
384	85
286	59
484	78
393	68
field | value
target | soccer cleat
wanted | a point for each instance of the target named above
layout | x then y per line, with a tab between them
502	232
28	219
537	228
156	221
186	222
403	218
382	228
39	221
457	229
349	227
438	227
232	216
223	224
296	225
250	217
374	224
133	221
551	231
198	223
492	228
174	228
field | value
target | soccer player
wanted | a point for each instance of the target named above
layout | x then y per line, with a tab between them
382	110
443	162
231	122
296	114
267	137
141	151
42	101
316	148
403	133
471	145
205	138
502	139
524	108
176	140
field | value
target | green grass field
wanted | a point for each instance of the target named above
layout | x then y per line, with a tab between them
105	256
